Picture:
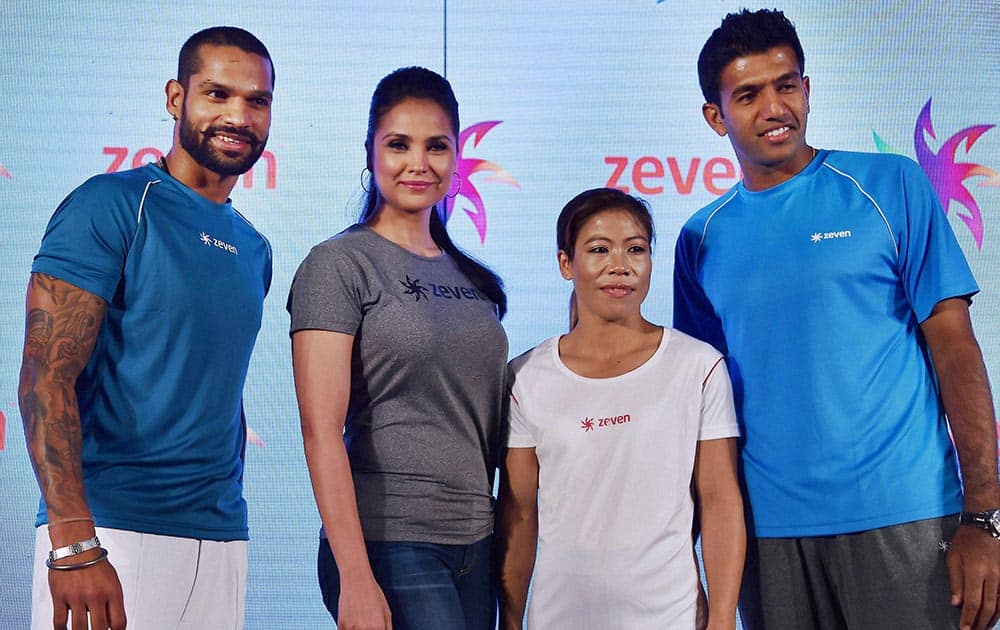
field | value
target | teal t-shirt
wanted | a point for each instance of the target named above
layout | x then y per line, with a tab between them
161	397
815	290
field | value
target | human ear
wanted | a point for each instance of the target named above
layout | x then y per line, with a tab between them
175	98
565	267
713	116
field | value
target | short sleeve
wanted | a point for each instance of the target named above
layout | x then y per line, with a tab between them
521	432
268	266
87	238
718	415
325	292
933	266
693	312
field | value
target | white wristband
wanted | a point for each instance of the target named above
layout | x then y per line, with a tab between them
75	549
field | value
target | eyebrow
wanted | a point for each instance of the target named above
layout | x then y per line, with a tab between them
397	134
601	237
754	87
209	84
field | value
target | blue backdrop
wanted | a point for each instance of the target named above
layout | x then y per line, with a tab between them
555	97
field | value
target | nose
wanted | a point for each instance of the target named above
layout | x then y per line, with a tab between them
618	264
418	161
238	113
773	103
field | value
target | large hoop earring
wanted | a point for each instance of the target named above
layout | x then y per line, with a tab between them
363	171
456	174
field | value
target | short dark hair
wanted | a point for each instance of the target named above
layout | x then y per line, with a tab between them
590	202
741	34
189	60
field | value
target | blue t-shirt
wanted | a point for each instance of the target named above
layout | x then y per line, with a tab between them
161	397
815	290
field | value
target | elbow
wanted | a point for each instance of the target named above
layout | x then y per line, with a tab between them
513	517
724	502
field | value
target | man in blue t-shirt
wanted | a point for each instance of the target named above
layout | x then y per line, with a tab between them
143	307
836	288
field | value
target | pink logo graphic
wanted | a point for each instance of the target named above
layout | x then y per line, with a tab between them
3	430
5	173
466	168
254	438
587	424
946	173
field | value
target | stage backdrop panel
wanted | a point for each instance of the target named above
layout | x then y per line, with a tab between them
555	98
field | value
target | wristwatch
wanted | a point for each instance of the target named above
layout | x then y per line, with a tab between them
988	520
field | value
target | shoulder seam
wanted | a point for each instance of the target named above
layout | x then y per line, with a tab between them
704	229
142	207
711	371
254	228
874	203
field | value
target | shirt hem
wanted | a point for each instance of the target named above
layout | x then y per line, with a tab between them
854	526
167	529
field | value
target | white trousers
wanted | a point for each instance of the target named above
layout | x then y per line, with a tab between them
169	583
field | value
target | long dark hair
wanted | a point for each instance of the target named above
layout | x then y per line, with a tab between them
423	84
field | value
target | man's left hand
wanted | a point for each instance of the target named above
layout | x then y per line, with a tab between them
974	571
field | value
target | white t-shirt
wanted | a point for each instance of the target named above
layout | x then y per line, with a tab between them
615	458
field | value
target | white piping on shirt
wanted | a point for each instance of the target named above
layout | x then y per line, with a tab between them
704	230
885	220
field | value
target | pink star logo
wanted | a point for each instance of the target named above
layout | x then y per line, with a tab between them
587	424
254	438
5	173
466	168
946	173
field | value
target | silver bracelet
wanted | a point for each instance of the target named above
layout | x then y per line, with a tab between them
75	549
80	565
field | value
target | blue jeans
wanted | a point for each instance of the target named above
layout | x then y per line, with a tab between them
441	587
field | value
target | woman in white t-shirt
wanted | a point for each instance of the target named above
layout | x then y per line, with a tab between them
611	428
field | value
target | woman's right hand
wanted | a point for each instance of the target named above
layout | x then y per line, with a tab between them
362	606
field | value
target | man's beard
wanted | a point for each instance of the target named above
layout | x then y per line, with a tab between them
196	143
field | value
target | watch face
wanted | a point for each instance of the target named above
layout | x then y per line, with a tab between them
994	523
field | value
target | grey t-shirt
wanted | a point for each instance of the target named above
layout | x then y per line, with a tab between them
428	375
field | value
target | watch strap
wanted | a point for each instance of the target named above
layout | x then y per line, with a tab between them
988	520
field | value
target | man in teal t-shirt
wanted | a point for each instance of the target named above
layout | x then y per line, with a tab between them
143	307
834	284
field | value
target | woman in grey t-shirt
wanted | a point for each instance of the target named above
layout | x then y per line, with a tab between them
400	365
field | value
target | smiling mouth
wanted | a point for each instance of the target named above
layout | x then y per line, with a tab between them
774	133
230	139
231	142
617	291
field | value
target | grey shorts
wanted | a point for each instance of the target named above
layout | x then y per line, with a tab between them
893	577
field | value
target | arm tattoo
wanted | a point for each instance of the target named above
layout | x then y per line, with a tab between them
60	331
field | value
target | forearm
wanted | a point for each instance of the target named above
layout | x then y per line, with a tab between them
723	532
723	548
333	487
53	437
965	393
61	328
517	537
516	532
970	412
